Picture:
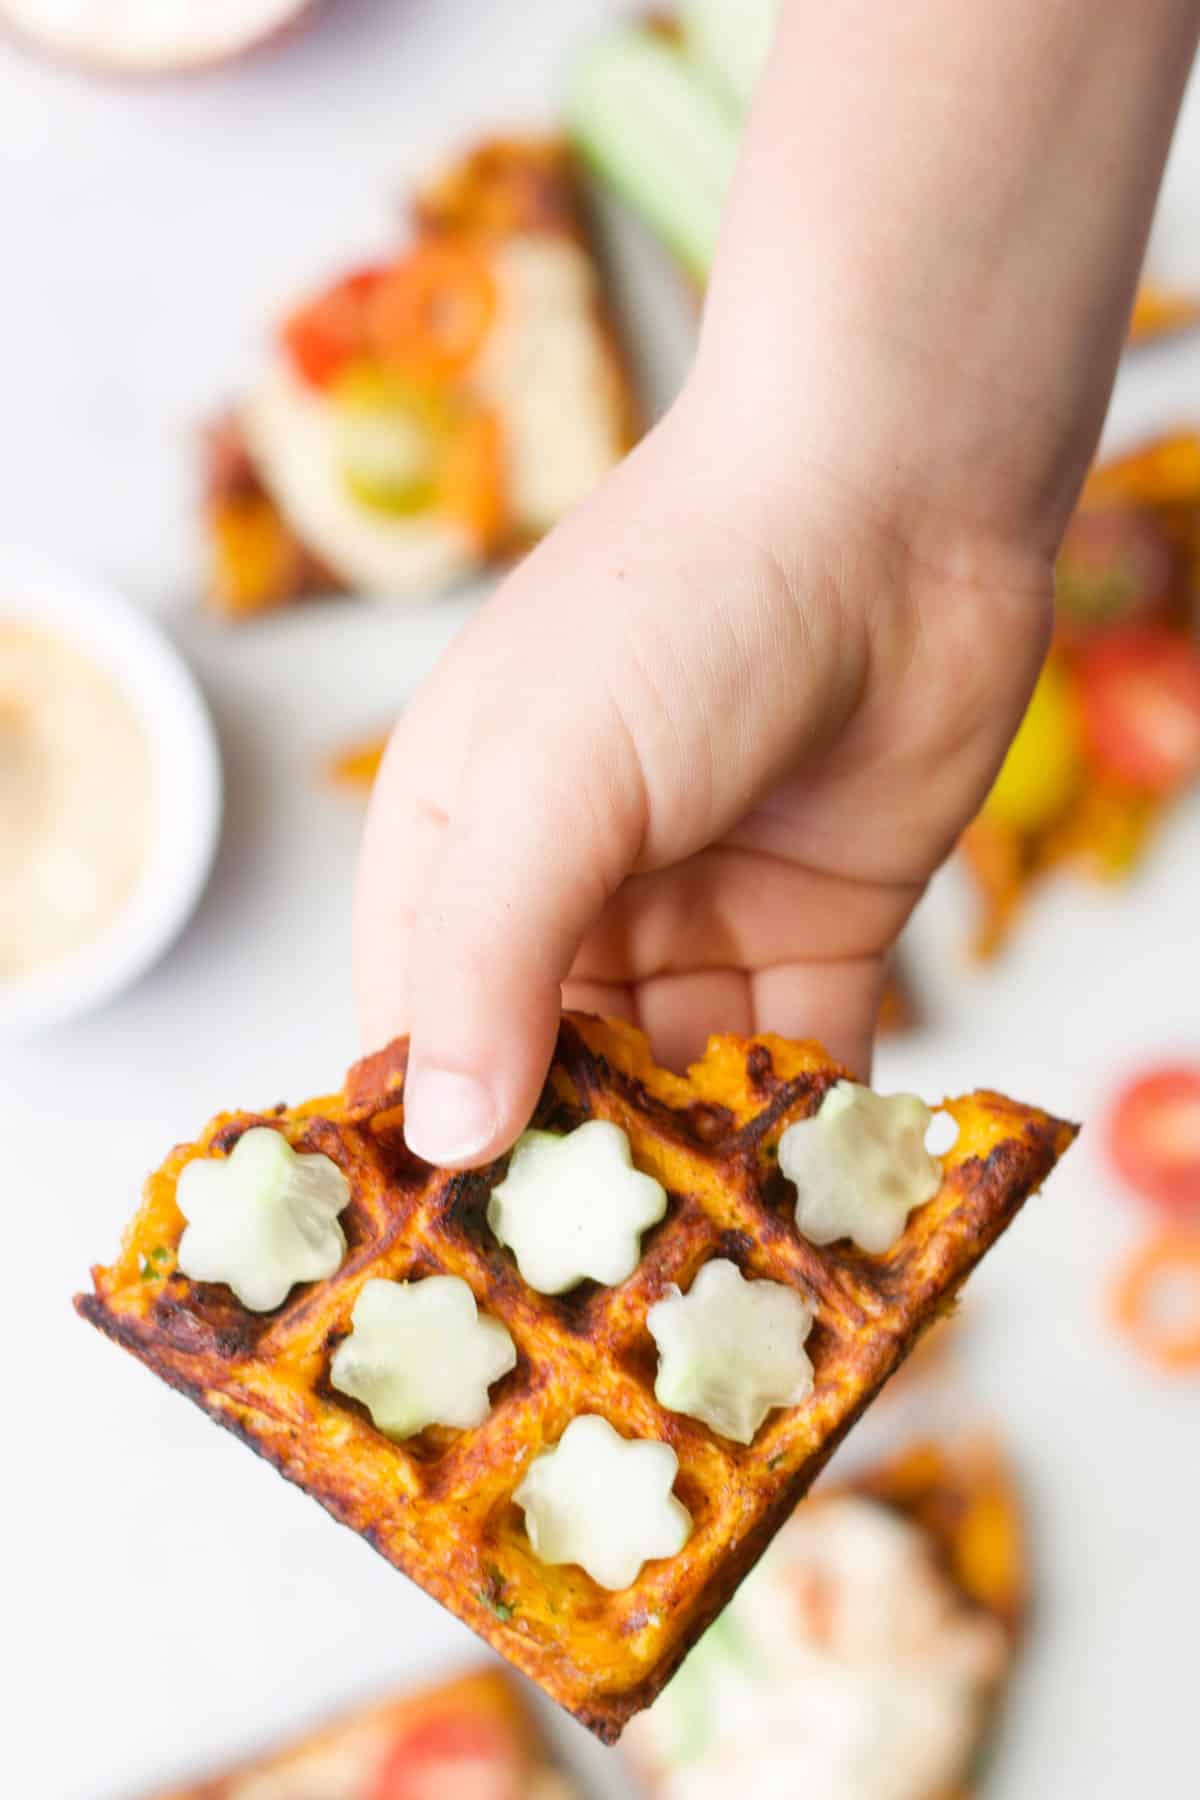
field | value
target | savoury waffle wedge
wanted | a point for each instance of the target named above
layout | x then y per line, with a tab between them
440	1505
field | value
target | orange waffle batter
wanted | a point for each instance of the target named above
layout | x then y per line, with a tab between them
439	1506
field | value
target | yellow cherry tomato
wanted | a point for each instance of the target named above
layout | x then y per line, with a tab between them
390	440
1044	765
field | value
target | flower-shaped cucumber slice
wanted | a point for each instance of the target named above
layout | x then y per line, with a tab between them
604	1502
573	1208
262	1219
420	1353
860	1166
731	1350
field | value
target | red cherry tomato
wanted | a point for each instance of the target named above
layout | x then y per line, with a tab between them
1140	694
1116	564
449	1758
331	331
1154	1137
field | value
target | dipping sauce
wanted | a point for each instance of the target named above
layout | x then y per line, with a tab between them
77	804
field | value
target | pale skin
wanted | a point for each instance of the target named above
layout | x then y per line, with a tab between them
696	761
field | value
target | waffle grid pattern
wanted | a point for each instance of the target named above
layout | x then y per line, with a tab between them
440	1506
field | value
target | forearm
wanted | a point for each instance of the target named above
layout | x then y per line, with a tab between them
933	241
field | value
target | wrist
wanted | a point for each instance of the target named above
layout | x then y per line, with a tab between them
908	506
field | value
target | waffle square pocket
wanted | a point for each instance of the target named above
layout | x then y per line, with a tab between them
441	1503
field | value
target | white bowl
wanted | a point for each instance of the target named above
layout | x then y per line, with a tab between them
187	770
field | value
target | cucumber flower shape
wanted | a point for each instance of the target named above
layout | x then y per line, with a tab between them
604	1502
262	1219
730	1350
574	1207
860	1166
421	1354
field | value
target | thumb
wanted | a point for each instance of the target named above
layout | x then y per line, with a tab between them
547	820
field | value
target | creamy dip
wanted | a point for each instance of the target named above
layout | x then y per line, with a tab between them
76	799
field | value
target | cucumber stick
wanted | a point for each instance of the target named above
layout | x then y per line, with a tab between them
659	135
728	41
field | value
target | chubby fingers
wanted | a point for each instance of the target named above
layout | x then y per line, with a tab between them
619	704
513	891
836	1002
409	812
509	806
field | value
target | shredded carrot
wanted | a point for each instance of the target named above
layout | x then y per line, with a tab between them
1170	1256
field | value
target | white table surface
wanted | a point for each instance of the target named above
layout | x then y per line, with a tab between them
167	1599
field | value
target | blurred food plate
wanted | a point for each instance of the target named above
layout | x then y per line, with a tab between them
424	416
468	1739
866	1654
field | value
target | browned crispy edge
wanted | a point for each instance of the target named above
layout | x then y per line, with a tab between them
1018	1166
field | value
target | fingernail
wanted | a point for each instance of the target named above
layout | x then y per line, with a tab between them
448	1117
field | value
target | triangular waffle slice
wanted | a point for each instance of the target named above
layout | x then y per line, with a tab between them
440	1505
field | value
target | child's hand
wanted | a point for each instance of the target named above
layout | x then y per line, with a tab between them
696	761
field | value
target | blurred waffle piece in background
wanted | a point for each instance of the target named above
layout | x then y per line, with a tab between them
468	1739
427	414
1112	735
866	1654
